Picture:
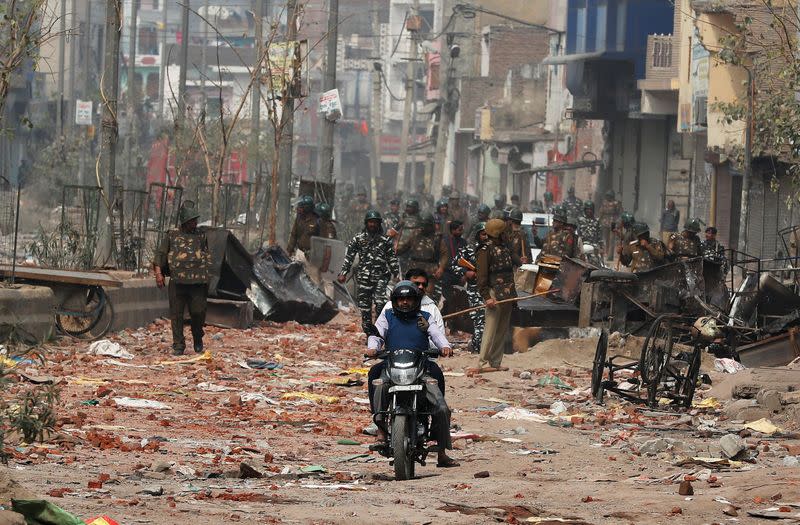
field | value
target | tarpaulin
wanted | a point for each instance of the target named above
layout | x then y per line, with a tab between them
42	512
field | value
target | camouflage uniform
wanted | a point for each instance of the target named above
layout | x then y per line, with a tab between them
561	243
327	229
573	206
469	252
589	231
423	250
185	258
641	259
305	226
714	251
377	263
517	242
683	247
495	280
391	221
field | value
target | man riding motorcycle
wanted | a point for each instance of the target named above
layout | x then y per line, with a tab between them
406	326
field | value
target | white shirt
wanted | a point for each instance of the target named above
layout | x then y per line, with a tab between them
435	333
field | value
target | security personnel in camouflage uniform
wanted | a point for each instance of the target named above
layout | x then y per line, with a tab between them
377	263
589	226
327	226
468	277
685	245
515	237
481	216
561	241
499	208
610	211
306	225
495	275
441	217
392	218
624	231
449	246
183	255
712	250
646	253
572	204
454	208
422	248
356	210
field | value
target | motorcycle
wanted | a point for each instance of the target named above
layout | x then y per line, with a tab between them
408	417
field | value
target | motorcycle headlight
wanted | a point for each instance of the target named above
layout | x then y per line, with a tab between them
403	376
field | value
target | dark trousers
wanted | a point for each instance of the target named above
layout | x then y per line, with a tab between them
194	296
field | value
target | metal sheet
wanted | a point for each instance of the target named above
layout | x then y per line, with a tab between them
49	275
773	351
289	294
327	255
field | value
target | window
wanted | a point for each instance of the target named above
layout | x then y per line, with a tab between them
148	41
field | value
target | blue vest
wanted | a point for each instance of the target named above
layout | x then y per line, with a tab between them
405	334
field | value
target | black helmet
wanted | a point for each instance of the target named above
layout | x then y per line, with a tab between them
499	198
323	209
406	289
483	209
515	215
412	203
442	202
588	205
372	215
610	195
627	219
395	201
481	226
427	220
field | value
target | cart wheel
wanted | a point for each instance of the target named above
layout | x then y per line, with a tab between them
656	350
89	321
689	383
599	363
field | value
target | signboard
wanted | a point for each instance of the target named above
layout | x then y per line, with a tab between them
287	64
83	112
330	105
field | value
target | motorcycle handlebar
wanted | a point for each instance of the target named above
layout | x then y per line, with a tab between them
431	352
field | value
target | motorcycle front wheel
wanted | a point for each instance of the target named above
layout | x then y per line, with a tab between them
401	445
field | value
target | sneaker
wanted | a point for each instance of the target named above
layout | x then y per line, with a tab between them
371	429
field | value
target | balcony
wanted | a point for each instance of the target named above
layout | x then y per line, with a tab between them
660	86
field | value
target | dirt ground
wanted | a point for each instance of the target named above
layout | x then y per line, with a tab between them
182	463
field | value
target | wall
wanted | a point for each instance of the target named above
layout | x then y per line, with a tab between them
509	47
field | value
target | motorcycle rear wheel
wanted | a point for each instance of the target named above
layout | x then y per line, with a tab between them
401	448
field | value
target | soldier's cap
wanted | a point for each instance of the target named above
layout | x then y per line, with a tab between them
187	213
495	227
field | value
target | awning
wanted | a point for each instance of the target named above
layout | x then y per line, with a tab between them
566	166
579	57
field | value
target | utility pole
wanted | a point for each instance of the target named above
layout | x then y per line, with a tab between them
62	44
255	114
410	68
184	59
375	109
87	84
328	126
109	125
162	81
73	48
204	58
131	106
748	166
442	135
284	193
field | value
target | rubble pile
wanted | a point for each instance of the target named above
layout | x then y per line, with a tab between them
268	426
